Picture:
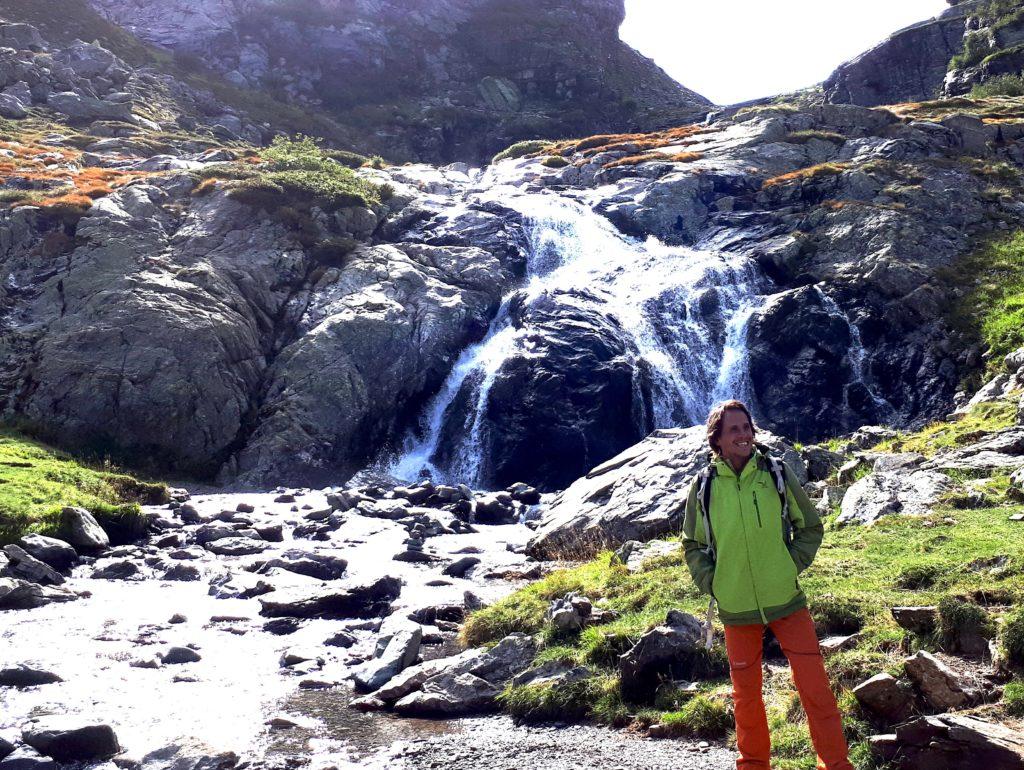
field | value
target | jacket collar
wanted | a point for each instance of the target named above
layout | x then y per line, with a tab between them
724	469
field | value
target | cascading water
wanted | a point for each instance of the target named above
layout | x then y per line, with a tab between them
857	357
685	312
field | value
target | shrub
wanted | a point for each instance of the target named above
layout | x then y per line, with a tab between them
258	192
347	159
546	702
1013	638
1013	698
977	45
702	716
554	161
522	149
804	174
1003	85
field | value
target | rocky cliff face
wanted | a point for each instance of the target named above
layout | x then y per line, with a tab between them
431	81
909	66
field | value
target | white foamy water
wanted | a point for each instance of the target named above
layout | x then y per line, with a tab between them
684	310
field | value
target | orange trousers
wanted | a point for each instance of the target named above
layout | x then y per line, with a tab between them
796	635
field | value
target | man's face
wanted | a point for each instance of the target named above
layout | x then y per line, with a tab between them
737	439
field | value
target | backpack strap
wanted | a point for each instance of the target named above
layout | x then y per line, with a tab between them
778	472
704	500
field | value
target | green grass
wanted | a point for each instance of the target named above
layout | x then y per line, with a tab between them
1013	698
803	137
992	309
1003	85
37	481
982	418
522	149
859	575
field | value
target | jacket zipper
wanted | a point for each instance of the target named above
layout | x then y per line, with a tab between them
750	566
758	509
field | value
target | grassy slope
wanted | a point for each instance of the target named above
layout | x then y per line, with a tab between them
860	573
37	481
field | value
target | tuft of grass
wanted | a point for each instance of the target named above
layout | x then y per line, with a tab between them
549	703
803	137
977	45
819	171
522	149
655	157
554	161
957	614
702	716
38	481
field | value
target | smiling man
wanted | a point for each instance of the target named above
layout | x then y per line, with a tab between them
749	530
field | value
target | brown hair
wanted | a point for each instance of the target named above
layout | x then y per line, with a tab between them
717	417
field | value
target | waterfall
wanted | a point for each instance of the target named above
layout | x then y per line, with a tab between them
857	357
685	312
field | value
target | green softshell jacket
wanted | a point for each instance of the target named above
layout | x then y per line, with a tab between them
754	576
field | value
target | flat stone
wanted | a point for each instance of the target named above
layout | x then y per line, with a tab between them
25	676
71	739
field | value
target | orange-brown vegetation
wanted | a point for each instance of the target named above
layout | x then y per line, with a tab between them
655	157
635	143
804	174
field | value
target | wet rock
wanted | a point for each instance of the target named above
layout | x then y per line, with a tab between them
118	569
918	620
24	675
524	493
495	508
892	492
297	655
282	626
23	565
397	647
189	754
27	758
357	601
6	747
236	546
341	639
460	567
321	566
71	739
173	540
673	650
413	556
81	530
177	618
450	695
209	533
242	585
178	655
942	688
886	697
182	572
272	533
54	552
245	508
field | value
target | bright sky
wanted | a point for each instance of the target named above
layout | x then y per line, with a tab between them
734	50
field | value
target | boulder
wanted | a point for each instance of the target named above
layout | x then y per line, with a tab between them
553	673
81	107
398	645
25	676
671	651
953	742
321	566
942	688
12	107
71	738
236	546
569	613
821	463
210	533
178	655
22	595
242	585
918	620
27	758
182	573
20	37
23	565
78	527
460	567
886	697
6	747
449	695
893	492
633	554
56	553
356	601
117	569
